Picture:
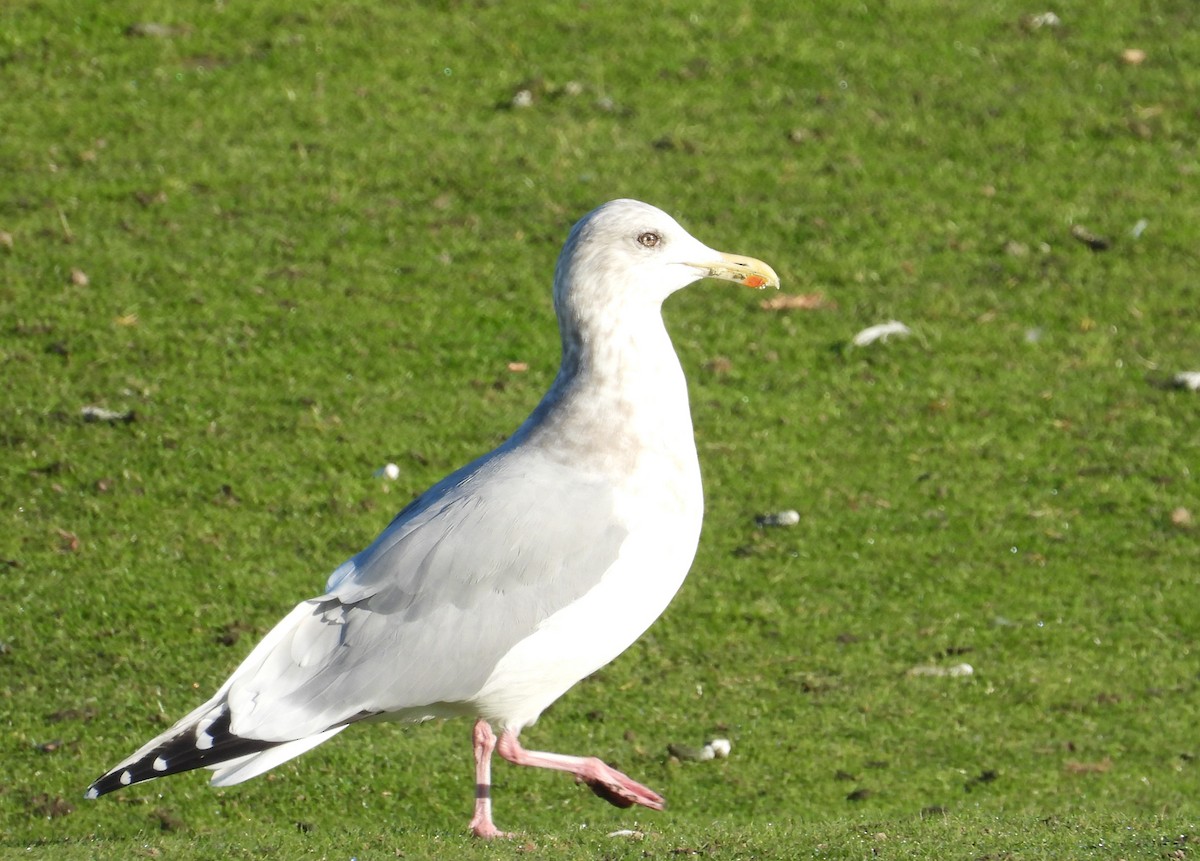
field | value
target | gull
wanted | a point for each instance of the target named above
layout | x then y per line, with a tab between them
514	577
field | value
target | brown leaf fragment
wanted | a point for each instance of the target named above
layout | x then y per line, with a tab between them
1072	766
78	277
1140	129
152	30
796	302
70	541
1091	240
149	198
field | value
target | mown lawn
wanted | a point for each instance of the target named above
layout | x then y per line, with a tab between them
286	243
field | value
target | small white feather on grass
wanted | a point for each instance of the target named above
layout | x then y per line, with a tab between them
881	332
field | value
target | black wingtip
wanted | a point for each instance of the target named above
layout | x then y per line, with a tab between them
204	743
105	784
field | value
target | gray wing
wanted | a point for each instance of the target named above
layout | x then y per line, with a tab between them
416	622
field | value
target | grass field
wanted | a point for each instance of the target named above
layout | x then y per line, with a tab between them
289	242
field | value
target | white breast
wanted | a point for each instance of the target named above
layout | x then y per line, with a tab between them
587	634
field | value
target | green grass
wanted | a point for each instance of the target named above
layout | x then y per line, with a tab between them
314	237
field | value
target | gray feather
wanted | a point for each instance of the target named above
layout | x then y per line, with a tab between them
418	620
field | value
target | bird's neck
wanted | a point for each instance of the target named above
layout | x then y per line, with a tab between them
624	383
625	353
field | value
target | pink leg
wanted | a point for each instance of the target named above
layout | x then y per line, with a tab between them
485	742
603	780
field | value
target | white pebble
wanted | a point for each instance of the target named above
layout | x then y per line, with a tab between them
1044	19
720	747
1188	380
957	671
100	414
780	518
391	471
881	332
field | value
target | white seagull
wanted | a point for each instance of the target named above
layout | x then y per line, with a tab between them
517	575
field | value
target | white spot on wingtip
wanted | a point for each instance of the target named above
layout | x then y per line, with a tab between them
160	764
204	741
92	794
126	777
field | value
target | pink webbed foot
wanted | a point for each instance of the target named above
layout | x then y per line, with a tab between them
604	780
484	829
616	788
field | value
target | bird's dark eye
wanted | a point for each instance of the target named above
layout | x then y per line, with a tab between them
649	239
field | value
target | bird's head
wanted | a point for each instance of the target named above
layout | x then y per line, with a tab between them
628	252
